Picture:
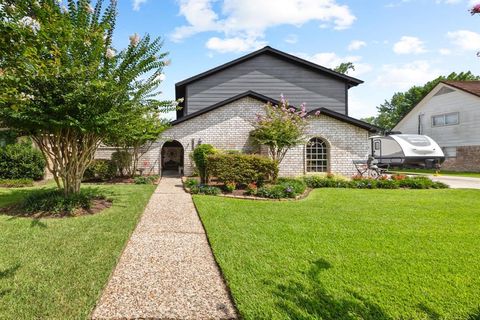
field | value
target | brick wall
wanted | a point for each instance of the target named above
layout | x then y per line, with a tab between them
228	128
467	159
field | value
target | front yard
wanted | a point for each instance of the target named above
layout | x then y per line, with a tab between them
350	254
56	268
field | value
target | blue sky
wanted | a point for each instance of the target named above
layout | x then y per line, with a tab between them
394	44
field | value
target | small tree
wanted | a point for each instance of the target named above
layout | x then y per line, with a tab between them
66	86
345	67
200	155
282	128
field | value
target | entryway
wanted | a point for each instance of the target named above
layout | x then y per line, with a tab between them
172	156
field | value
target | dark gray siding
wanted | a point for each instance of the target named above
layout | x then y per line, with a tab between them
270	76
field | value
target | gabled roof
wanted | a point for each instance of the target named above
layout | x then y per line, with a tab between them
472	87
265	99
280	54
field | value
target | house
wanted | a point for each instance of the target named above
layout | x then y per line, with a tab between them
450	115
220	105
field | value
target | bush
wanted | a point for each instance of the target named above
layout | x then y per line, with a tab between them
145	179
207	190
285	188
200	155
190	182
21	161
16	183
241	169
230	186
123	161
54	201
329	181
272	192
251	189
298	186
100	170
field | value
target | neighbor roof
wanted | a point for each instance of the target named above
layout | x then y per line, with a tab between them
265	99
280	54
472	87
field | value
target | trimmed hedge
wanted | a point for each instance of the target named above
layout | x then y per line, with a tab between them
241	169
316	181
200	155
21	161
100	170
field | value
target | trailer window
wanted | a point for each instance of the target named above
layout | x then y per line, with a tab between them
316	154
446	119
376	145
418	141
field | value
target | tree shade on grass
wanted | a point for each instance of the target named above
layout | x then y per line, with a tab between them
350	254
56	268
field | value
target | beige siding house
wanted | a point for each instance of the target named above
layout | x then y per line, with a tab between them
450	115
221	104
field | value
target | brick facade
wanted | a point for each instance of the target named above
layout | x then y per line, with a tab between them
467	159
228	128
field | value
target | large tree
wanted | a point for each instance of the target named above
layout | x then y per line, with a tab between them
65	85
391	111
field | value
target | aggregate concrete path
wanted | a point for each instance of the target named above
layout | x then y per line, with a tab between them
457	182
167	270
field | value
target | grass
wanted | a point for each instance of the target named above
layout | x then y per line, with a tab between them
442	172
56	268
350	254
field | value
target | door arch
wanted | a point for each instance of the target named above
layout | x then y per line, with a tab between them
172	155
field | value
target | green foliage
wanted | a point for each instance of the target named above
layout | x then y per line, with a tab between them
64	84
204	189
191	182
230	186
16	183
391	111
200	154
345	67
7	137
284	188
100	170
146	179
241	169
395	182
54	201
21	160
280	129
123	161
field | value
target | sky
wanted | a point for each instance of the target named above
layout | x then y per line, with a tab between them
394	44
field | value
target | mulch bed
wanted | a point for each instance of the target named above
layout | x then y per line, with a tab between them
97	206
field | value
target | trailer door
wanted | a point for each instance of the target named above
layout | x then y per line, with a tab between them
377	148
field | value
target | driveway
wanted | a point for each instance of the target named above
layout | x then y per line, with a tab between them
458	182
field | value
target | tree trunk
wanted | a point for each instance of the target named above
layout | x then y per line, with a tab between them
68	153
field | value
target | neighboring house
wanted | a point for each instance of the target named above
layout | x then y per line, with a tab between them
221	104
450	115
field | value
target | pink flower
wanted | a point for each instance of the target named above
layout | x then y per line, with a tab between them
317	113
475	9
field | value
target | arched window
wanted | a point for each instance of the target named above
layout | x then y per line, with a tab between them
317	155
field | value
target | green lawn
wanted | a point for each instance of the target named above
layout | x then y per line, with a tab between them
56	268
442	172
350	254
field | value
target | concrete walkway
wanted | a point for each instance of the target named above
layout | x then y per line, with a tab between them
456	182
167	270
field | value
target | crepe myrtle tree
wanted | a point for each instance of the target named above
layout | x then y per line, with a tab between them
281	128
65	85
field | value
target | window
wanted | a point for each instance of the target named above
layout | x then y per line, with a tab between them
450	152
447	119
316	155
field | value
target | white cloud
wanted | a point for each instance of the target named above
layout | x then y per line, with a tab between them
465	39
233	44
291	38
402	77
249	19
137	4
445	51
409	45
356	45
332	60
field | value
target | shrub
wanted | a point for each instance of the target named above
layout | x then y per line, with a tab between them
145	179
123	161
272	192
386	184
100	170
200	155
329	181
207	190
54	201
16	183
251	189
189	183
21	161
298	186
230	186
241	168
398	177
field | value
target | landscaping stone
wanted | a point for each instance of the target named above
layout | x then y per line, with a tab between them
167	270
